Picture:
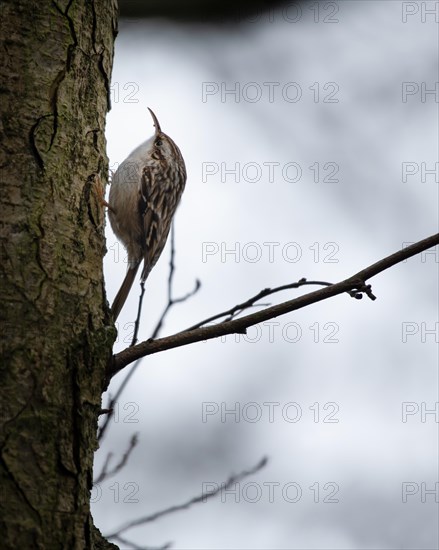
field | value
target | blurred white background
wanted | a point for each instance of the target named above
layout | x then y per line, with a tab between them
348	144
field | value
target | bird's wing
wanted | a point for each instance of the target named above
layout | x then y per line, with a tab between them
147	206
156	209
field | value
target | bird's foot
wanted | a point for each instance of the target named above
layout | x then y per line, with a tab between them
101	192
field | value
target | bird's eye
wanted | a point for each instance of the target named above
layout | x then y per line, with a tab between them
159	142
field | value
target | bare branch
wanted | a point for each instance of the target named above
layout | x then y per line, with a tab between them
354	285
200	498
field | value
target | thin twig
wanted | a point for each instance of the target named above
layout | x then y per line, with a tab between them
134	546
114	400
354	286
171	302
239	308
105	474
139	313
200	498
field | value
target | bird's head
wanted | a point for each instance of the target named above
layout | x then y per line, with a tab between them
164	148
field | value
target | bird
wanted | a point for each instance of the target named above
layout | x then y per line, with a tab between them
144	194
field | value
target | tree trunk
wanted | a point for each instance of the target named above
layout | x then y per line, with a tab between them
57	333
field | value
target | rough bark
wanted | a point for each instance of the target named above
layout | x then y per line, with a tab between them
57	335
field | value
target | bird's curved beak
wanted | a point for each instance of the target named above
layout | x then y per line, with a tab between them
156	122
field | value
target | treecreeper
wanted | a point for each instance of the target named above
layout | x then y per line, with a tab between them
144	194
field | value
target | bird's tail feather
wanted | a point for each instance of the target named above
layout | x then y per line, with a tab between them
124	290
